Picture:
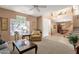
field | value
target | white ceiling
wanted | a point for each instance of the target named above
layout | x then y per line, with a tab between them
26	9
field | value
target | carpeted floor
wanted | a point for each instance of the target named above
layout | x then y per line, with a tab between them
52	45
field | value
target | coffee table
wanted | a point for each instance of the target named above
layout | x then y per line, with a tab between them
21	47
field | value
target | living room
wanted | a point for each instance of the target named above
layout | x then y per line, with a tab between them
41	24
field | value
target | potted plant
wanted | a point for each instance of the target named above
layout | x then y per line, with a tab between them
73	39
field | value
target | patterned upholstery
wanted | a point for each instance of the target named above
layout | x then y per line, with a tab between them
36	35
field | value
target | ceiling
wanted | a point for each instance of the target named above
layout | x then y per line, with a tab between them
26	9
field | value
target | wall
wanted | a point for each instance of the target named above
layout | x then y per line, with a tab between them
39	23
76	21
11	14
46	27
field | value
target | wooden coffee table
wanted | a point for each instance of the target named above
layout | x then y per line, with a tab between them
24	47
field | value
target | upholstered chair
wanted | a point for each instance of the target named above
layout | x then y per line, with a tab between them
36	35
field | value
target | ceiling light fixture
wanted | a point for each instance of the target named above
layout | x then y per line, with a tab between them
37	7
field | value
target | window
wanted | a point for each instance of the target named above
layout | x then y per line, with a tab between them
76	10
20	24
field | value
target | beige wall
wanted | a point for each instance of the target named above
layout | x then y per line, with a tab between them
39	23
76	21
11	14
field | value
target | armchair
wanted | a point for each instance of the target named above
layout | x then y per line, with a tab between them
36	36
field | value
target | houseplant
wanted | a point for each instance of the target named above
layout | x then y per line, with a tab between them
73	39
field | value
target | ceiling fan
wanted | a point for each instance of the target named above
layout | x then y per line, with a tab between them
37	7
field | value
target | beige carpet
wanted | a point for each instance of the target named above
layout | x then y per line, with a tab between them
55	44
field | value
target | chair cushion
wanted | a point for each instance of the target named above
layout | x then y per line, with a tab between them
3	46
35	36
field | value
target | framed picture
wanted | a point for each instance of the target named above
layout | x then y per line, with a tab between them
4	24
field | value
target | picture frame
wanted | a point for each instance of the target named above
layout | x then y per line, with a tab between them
4	24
